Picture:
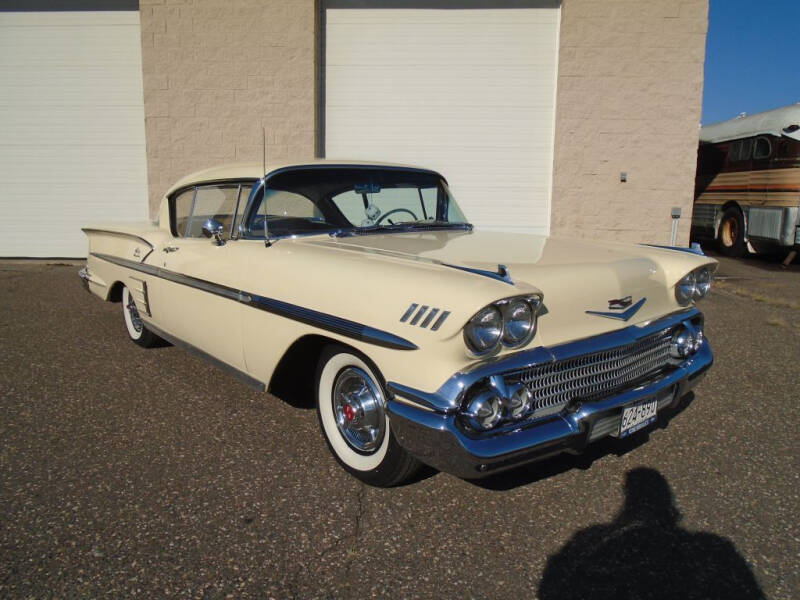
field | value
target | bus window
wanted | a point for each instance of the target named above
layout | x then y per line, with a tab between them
740	150
763	148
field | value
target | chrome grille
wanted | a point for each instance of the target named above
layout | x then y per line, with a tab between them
591	376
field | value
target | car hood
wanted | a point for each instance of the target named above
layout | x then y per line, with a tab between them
575	276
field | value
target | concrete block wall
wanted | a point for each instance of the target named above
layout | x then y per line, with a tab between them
629	96
215	72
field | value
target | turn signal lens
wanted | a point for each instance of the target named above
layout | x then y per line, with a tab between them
520	403
682	344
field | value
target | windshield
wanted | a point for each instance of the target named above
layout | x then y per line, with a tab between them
352	200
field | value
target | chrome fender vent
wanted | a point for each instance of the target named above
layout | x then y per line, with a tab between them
426	314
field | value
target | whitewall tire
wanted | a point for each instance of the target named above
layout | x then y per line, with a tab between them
351	406
136	329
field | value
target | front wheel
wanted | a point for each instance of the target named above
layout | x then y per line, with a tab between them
133	322
351	405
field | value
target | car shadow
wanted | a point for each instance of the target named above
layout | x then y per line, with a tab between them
537	471
644	553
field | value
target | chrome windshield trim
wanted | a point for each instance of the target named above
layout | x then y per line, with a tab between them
321	320
448	397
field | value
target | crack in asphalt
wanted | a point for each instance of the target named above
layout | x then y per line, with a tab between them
306	568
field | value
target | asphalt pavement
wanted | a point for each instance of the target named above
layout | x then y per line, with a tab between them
131	472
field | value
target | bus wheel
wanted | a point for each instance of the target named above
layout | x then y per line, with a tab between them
731	233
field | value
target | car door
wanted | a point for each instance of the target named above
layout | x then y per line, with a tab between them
197	292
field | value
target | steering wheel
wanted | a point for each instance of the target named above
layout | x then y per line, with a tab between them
395	210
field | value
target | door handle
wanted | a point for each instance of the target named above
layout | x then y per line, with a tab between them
169	249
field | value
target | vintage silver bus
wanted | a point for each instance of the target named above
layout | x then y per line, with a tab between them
747	190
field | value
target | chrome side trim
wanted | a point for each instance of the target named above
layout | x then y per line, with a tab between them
409	312
430	317
321	320
344	327
622	316
422	310
693	249
223	366
440	321
502	273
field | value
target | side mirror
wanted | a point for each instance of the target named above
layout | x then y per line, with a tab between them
213	228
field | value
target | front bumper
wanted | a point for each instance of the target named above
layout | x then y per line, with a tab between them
429	431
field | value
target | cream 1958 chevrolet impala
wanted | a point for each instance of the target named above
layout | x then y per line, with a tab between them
427	341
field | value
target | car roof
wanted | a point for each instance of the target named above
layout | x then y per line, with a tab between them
255	170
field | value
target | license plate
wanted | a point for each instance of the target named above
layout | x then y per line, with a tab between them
637	416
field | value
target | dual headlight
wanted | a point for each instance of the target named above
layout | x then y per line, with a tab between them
510	322
694	285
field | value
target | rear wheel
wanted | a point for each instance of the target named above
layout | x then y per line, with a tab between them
731	233
351	406
133	322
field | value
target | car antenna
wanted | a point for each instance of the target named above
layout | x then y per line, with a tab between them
267	241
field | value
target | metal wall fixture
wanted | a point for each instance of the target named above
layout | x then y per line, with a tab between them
426	316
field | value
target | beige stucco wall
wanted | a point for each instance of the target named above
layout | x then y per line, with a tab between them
630	83
215	72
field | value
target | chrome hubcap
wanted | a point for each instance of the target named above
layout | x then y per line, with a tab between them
358	408
136	321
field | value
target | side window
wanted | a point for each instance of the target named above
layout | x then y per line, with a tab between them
212	202
763	148
287	213
289	204
740	150
183	209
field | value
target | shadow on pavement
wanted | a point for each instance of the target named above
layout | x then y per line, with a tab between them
644	553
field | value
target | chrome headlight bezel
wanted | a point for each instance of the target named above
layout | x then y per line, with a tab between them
510	334
480	319
695	285
703	278
685	289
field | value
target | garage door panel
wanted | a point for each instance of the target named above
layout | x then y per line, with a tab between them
72	144
462	86
47	85
455	128
470	93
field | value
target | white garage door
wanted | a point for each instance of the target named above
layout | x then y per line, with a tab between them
467	91
72	147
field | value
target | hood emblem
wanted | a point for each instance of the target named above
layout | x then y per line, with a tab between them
619	305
